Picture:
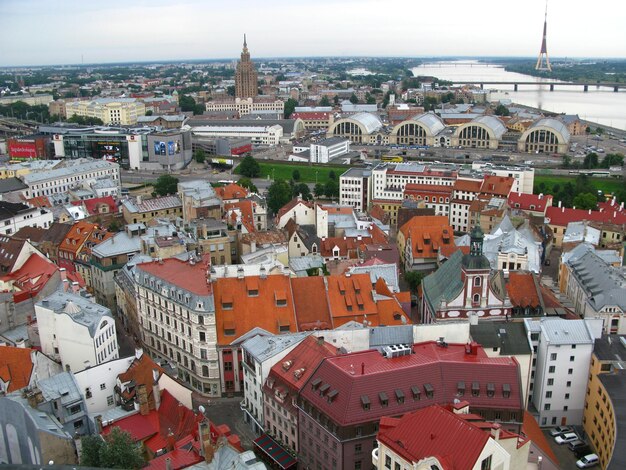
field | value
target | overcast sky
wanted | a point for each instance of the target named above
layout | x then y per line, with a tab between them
34	32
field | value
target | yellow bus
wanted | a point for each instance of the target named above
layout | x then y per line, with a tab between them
392	159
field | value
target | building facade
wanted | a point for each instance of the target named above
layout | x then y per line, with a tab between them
246	81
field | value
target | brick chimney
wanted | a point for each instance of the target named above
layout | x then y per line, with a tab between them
170	441
495	431
142	398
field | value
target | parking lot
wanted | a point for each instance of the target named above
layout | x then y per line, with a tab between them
567	458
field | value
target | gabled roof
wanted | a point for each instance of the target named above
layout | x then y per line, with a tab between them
92	205
311	303
524	201
445	283
16	367
522	289
497	185
434	432
231	191
28	281
350	298
141	372
190	277
10	249
241	211
292	204
467	185
562	216
427	234
531	429
76	236
429	369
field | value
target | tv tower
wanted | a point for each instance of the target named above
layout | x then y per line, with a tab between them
543	61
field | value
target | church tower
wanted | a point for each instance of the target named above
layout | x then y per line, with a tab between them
476	269
246	85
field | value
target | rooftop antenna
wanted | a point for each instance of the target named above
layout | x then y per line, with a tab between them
543	61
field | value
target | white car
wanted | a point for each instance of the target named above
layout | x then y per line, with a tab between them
565	438
561	430
587	461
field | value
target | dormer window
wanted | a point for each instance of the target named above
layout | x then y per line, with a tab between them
415	392
365	402
491	390
280	298
506	390
227	301
475	389
460	389
384	400
399	396
430	391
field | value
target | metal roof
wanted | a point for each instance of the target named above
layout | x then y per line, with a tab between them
558	331
62	386
431	122
493	123
552	124
369	121
76	170
83	311
263	348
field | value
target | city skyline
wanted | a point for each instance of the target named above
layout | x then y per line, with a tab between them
142	31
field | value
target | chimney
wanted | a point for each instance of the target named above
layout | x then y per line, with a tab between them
170	441
320	341
99	424
539	462
138	353
495	431
156	390
34	398
559	204
362	368
75	287
142	398
540	196
168	464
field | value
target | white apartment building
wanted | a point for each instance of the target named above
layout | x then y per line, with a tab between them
524	177
176	313
260	353
75	331
389	180
302	212
465	191
97	384
325	150
261	135
14	216
560	370
246	106
354	188
61	180
117	111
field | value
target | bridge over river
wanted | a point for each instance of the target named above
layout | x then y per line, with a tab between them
585	85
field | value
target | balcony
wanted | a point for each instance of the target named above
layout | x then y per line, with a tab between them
375	457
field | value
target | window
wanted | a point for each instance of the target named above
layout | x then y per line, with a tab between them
486	464
548	394
567	396
476	298
202	336
384	401
570	371
551	369
74	409
365	402
88	392
572	358
568	384
506	390
546	407
550	381
110	400
553	357
477	281
475	389
387	461
358	448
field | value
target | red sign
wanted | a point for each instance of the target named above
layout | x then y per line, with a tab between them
19	149
241	149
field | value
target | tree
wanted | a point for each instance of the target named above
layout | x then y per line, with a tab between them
247	183
166	184
290	107
249	167
612	159
85	120
369	99
331	175
336	100
295	175
318	190
199	156
117	450
324	101
354	99
414	279
585	201
591	160
149	112
230	90
502	110
303	190
278	194
187	103
331	189
114	226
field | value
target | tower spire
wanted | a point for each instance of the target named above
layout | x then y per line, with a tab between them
245	44
543	61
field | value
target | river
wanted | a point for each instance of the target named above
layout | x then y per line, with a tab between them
601	105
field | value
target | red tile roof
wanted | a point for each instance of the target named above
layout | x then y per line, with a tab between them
522	289
434	432
368	373
181	274
531	429
413	188
31	277
141	372
497	185
427	234
311	303
93	205
16	367
292	204
523	201
467	185
562	216
241	211
179	458
231	191
311	115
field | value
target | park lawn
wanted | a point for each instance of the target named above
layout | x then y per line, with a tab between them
284	171
606	185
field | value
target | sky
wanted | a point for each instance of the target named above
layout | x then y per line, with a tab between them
49	32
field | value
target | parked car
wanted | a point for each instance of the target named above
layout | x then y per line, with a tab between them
575	445
561	430
566	438
590	460
585	450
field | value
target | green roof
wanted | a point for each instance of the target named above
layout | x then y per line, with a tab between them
445	283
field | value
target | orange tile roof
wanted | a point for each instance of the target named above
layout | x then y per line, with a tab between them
141	372
390	313
77	236
467	185
231	191
237	309
531	429
350	298
246	209
345	210
31	277
39	201
522	290
311	304
16	367
182	274
428	234
497	185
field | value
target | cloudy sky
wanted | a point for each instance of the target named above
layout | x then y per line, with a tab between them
35	32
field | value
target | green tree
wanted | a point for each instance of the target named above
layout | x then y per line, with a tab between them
187	103
295	175
429	103
85	120
369	99
166	184
502	110
414	279
332	175
336	100
149	112
354	99
599	130
302	189
318	190
324	101
278	194
117	450
114	226
331	189
199	156
249	167
585	201
447	97
612	159
231	90
247	183
290	107
591	160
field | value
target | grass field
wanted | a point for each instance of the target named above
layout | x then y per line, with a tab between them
607	185
308	173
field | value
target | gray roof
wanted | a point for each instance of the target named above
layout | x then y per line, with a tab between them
330	141
388	335
118	244
445	283
553	124
299	264
62	386
356	172
34	178
42	421
369	121
81	310
263	348
510	337
8	185
580	231
431	122
389	272
153	204
200	191
493	123
610	348
507	239
348	107
558	331
287	124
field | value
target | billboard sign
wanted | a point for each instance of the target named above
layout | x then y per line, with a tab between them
19	149
167	148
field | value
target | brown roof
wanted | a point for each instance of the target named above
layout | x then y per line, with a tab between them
231	191
32	234
311	303
522	289
264	237
10	248
497	185
467	185
16	367
140	372
290	205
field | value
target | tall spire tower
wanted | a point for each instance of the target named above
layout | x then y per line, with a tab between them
543	61
246	85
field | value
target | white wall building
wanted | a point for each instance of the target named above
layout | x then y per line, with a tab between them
325	150
524	177
97	384
61	180
262	135
560	375
14	216
354	188
246	106
76	331
260	353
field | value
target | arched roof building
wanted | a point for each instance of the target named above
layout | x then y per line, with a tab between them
546	135
359	128
483	132
419	130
